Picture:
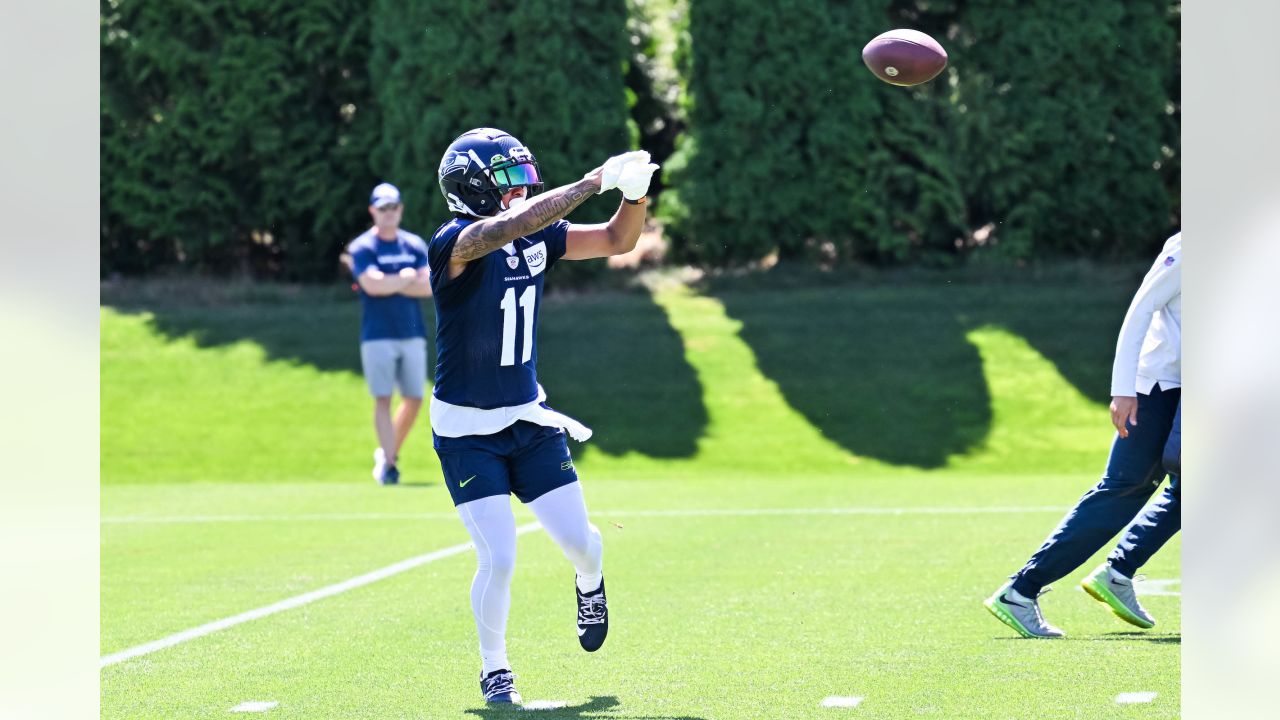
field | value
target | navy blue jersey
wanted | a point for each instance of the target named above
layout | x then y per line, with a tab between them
487	317
390	317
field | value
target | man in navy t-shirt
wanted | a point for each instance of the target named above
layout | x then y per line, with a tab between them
390	268
493	431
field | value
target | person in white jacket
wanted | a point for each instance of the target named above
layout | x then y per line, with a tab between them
1146	389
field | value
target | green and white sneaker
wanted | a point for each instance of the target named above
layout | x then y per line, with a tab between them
1108	586
1021	613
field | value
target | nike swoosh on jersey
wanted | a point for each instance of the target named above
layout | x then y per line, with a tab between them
464	482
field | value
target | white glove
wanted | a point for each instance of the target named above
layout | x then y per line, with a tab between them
634	179
613	167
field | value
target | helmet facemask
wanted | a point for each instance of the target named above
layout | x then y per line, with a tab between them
509	173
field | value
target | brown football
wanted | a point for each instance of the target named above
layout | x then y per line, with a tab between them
904	57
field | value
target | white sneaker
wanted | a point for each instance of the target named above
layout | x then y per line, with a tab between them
1021	613
1110	587
379	464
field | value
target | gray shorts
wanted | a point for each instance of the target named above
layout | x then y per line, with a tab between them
395	363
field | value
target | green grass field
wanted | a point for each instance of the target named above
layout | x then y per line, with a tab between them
805	492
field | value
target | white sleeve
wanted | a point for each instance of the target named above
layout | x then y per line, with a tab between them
1162	283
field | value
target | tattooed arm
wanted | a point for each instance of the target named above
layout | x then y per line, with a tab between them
483	237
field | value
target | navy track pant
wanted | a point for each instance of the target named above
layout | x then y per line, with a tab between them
1160	519
1134	471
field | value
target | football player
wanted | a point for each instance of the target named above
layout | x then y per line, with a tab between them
493	431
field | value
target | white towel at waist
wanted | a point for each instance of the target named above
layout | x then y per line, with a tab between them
448	420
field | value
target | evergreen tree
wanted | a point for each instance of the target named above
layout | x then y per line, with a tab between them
549	73
1066	124
795	148
234	134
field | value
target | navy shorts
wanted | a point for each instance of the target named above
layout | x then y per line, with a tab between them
525	459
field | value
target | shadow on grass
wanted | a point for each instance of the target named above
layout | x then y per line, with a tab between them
1165	639
881	368
301	324
885	374
324	336
597	704
614	362
887	371
609	359
1158	638
1072	326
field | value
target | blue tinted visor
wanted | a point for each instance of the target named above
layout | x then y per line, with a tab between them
517	175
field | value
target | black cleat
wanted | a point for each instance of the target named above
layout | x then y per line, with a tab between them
390	475
593	617
499	688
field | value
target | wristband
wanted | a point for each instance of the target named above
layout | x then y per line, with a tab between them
638	201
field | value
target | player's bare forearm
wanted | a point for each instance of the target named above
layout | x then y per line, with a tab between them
616	237
484	237
625	227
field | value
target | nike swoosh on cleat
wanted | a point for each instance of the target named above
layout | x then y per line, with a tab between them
582	631
1007	601
464	482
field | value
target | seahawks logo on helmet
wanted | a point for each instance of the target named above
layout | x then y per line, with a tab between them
474	188
454	161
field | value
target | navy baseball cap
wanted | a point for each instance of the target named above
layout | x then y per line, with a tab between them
384	194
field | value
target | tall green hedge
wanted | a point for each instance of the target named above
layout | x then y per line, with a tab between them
549	72
1067	131
1049	133
245	136
235	134
795	148
656	75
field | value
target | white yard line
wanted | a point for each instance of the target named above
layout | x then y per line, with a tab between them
293	602
320	517
1158	587
544	705
745	512
841	701
254	706
1131	698
691	512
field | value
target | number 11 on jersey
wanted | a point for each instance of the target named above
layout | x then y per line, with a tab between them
508	305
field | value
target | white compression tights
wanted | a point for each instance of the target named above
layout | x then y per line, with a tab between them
563	514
